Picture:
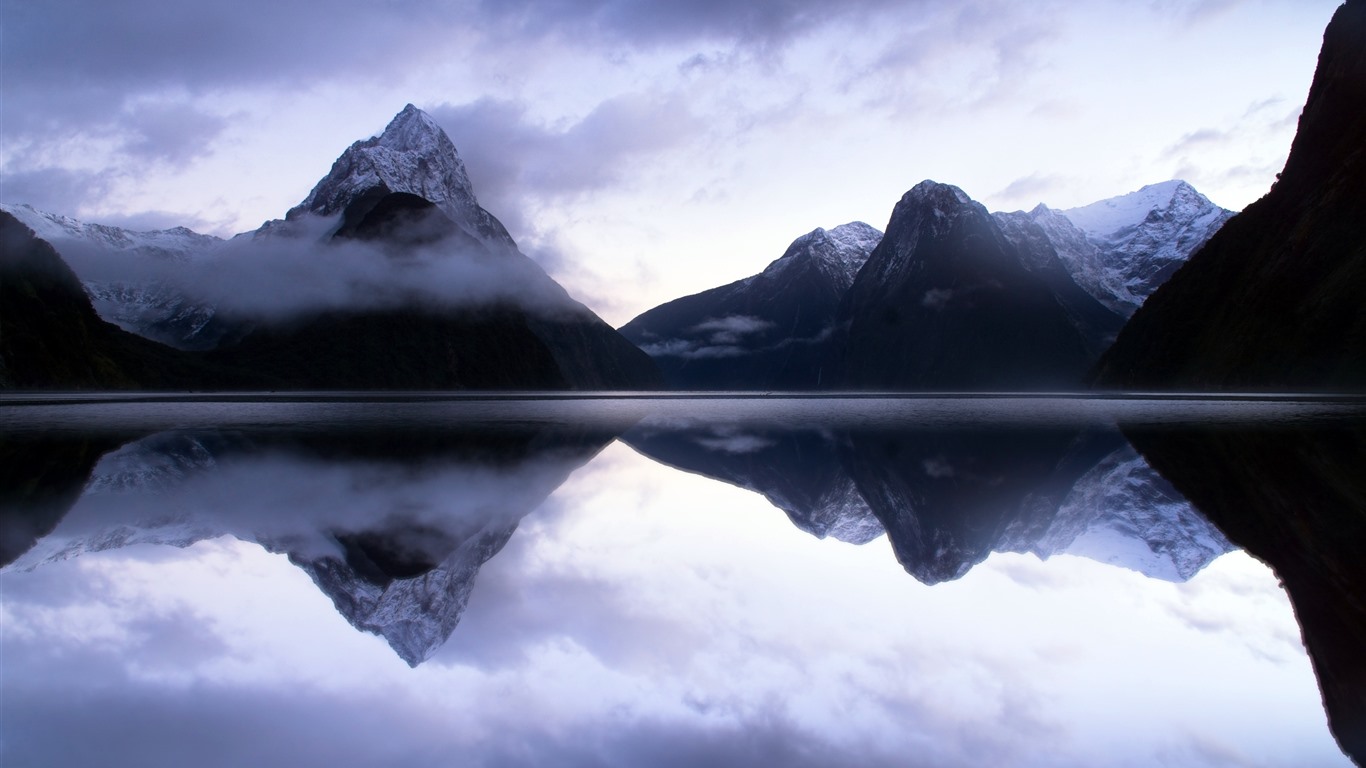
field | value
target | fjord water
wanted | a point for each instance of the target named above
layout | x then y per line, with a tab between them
531	580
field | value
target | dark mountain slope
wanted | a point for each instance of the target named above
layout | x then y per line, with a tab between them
768	331
51	337
946	302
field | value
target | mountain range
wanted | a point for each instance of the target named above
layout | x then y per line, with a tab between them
389	274
951	298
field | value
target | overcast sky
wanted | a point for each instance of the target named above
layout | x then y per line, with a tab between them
644	150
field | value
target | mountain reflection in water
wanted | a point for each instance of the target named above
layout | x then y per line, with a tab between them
392	506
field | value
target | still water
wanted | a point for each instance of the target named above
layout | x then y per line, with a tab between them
465	580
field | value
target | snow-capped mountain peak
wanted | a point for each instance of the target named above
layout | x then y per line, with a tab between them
1107	218
1133	242
415	156
840	252
856	236
177	243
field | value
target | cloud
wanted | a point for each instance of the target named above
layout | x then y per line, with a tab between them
1197	11
54	188
1219	156
761	23
732	328
954	56
1030	189
518	164
148	45
1197	140
693	350
937	298
727	442
297	268
170	133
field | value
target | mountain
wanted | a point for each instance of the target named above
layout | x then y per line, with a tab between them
1273	300
1135	242
125	273
413	156
406	193
774	330
52	338
768	331
388	275
946	301
1041	242
1119	250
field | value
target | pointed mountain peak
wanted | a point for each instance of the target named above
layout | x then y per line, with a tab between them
413	156
414	130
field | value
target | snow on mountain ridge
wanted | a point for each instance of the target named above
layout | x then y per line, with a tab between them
415	156
146	306
839	252
176	243
1132	243
1105	217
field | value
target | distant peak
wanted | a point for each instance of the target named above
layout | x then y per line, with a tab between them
856	234
841	250
1122	213
412	129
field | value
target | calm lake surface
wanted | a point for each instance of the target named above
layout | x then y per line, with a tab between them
433	579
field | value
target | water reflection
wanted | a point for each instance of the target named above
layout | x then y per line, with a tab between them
393	527
949	498
395	524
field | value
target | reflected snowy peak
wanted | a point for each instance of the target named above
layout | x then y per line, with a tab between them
949	498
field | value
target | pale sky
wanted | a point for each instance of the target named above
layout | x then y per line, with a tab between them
643	151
